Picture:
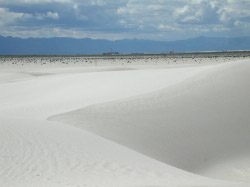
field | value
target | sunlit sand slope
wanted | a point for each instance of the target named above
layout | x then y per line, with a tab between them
142	113
201	125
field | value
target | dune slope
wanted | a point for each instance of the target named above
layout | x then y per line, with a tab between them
38	152
200	125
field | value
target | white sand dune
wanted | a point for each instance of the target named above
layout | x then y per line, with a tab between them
138	109
44	96
200	125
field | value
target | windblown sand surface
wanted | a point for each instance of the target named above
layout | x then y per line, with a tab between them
182	122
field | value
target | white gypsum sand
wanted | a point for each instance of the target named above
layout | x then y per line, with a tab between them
199	124
127	107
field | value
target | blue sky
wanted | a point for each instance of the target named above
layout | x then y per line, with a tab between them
125	19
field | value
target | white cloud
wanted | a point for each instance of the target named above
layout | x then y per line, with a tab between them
52	15
163	27
121	11
34	1
232	11
47	15
8	17
200	12
220	28
98	2
166	19
78	13
225	16
242	25
86	2
37	32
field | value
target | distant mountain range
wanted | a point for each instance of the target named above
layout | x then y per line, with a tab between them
71	46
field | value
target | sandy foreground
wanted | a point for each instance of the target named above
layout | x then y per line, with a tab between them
151	122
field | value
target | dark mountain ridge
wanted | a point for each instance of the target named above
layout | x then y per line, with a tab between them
72	46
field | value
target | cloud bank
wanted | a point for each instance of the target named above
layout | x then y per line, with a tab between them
125	19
